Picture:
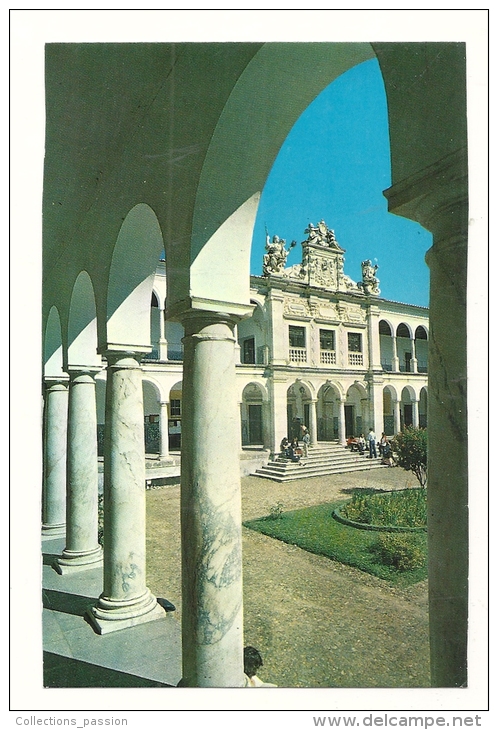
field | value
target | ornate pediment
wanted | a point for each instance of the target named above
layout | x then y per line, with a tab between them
322	263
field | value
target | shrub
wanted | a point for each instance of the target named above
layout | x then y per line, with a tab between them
410	452
276	511
400	551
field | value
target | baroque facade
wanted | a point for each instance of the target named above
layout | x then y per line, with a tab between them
318	349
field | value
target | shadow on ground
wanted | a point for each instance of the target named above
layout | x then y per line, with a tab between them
61	671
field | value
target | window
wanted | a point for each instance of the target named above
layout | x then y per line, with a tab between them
248	351
354	342
175	408
327	340
296	336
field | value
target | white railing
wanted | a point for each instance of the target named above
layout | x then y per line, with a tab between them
327	357
297	354
355	358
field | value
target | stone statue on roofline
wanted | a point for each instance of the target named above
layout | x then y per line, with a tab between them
276	255
370	283
321	235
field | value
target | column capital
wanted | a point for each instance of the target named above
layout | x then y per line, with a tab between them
80	372
195	320
123	358
192	305
52	381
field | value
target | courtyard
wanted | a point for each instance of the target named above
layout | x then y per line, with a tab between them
317	623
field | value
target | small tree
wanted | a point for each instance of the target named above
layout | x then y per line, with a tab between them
410	452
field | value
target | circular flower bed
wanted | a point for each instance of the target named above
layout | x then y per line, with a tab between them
398	511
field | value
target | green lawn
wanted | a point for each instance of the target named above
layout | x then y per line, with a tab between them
314	529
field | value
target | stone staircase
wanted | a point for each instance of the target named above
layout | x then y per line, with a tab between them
324	458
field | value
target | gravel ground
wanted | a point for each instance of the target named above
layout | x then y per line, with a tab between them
316	622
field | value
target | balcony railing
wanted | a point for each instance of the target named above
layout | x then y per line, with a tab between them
355	358
297	354
327	357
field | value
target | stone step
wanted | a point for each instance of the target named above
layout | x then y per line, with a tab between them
328	458
304	472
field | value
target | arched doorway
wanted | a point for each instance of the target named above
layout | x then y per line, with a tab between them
406	407
175	417
387	353
356	410
152	399
422	408
299	397
403	348
252	415
391	411
421	348
327	412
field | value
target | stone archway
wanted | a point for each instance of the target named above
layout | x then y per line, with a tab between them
391	410
253	415
327	412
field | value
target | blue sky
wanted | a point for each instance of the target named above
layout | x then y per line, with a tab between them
334	165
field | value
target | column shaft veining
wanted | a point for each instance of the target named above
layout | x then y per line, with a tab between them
212	627
54	456
82	550
125	600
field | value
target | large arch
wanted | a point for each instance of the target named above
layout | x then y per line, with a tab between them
133	266
52	345
82	325
327	411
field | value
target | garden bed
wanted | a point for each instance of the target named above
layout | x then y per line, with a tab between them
313	529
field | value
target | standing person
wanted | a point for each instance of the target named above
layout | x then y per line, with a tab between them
306	441
371	444
252	662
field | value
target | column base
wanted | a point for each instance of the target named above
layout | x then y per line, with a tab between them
72	561
111	615
49	531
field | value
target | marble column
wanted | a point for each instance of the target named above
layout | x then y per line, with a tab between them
413	359
278	403
82	550
373	317
164	432
54	457
415	418
163	342
395	359
125	600
447	465
313	424
342	423
437	197
397	417
212	621
266	425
